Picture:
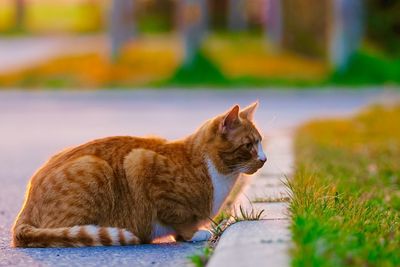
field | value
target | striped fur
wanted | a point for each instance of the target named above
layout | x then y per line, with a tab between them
76	236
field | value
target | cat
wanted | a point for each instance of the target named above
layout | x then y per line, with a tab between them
126	190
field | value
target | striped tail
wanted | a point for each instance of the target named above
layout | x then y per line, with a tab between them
25	235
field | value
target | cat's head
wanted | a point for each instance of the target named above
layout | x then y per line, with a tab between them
234	143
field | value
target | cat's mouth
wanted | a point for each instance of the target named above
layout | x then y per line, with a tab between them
254	167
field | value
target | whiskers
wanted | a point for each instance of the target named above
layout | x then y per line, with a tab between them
241	167
246	167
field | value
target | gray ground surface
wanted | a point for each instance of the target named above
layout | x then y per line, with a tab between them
173	254
35	125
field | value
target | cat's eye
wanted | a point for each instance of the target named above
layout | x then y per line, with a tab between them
249	145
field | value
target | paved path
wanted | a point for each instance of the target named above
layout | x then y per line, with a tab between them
35	125
22	52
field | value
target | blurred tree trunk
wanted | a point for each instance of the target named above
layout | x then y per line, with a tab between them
237	19
194	26
166	10
19	14
346	31
274	21
157	15
122	25
218	14
306	26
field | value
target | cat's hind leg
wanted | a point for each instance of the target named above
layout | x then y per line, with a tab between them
71	206
142	168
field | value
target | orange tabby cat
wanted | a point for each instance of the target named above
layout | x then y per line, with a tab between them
128	190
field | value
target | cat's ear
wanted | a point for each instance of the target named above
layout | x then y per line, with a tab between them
248	112
230	120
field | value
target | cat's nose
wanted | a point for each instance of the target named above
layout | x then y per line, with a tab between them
260	153
263	159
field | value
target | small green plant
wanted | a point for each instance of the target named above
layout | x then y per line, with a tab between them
218	226
247	214
200	260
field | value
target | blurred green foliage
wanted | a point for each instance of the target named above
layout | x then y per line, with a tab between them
153	24
205	72
201	71
383	24
365	68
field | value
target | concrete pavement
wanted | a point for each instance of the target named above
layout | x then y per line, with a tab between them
35	125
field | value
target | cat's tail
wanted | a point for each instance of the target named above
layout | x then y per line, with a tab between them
25	235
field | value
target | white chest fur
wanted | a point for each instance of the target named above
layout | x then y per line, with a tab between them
222	186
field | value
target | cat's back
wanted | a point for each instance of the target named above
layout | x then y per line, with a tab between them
110	149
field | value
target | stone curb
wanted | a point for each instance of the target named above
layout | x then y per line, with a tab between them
253	243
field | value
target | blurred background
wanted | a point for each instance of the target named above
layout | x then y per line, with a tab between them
221	43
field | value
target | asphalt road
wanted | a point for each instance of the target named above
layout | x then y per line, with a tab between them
35	125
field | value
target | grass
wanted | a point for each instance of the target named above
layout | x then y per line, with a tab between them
141	63
250	55
346	199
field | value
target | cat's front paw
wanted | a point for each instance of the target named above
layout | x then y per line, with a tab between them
201	235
